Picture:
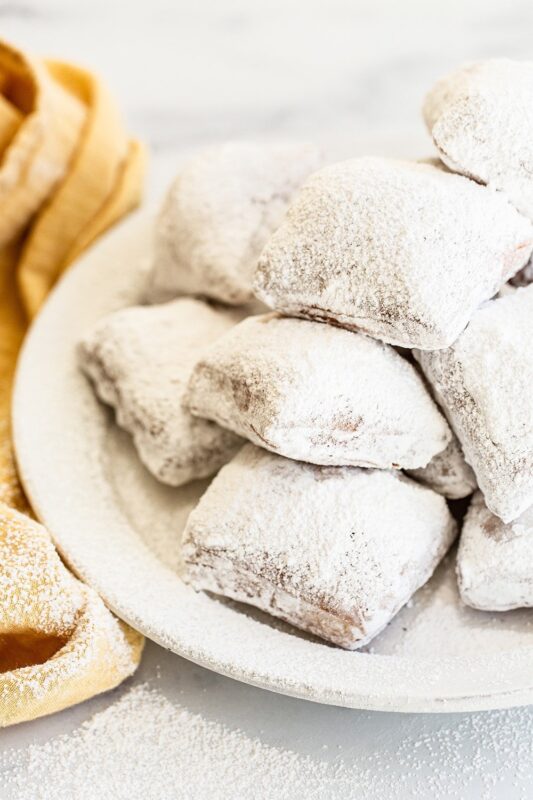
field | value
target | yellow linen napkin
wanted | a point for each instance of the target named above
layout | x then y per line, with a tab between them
59	644
67	172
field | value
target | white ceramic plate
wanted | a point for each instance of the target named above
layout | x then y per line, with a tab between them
120	531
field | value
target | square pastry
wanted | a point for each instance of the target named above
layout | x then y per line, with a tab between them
140	360
481	120
336	551
494	559
318	393
484	383
400	250
218	214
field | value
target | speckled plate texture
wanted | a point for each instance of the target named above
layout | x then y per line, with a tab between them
120	531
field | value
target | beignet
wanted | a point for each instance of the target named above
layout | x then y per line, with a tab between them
140	360
495	559
481	120
334	551
218	214
402	251
484	384
318	393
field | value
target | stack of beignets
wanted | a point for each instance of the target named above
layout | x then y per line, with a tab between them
335	512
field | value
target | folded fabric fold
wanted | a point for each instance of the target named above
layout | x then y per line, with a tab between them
38	155
68	170
79	210
58	643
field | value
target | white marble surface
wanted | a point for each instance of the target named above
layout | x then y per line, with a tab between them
347	72
350	74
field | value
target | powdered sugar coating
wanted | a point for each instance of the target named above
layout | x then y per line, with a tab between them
447	473
140	360
495	559
402	251
218	214
335	551
484	384
318	393
481	120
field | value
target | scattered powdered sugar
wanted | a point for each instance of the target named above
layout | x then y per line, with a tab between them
318	393
481	120
403	251
143	747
